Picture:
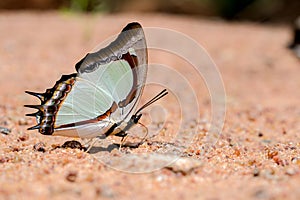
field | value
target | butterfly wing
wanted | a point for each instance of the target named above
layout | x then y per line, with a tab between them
105	90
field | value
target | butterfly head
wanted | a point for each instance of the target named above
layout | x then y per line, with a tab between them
136	117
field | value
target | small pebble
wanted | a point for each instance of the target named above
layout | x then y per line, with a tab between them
15	149
260	134
279	161
71	177
256	172
4	131
272	154
22	122
73	144
290	171
184	166
23	138
40	147
237	152
295	160
4	159
284	131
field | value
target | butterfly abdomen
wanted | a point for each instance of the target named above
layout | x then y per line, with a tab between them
51	100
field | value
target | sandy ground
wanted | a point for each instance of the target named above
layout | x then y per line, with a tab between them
256	157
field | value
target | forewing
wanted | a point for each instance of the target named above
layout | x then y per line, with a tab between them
128	49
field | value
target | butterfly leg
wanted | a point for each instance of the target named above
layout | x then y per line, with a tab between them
124	137
92	142
123	141
87	141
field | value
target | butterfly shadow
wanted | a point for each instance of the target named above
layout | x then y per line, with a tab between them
109	148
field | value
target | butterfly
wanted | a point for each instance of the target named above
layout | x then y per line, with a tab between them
100	99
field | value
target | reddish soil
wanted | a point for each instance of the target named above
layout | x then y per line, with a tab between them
256	157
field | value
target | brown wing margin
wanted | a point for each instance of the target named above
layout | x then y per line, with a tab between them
133	62
95	120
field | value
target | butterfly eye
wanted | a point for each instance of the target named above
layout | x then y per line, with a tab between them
136	118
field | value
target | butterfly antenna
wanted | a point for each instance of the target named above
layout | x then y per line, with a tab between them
154	99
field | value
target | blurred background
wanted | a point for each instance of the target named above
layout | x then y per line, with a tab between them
254	10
